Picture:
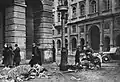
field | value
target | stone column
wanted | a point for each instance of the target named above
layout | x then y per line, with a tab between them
111	32
15	30
101	35
43	28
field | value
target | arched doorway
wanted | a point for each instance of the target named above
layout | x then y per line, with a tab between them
94	35
82	42
32	23
118	40
74	44
107	43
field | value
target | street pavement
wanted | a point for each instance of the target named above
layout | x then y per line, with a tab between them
110	72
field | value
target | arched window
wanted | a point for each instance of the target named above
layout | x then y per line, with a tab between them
93	8
74	11
82	9
74	44
58	44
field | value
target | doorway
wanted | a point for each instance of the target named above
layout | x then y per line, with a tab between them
94	35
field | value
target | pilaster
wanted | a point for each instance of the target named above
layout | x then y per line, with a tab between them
111	32
101	35
15	29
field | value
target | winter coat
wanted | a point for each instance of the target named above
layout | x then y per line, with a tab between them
8	57
36	58
17	57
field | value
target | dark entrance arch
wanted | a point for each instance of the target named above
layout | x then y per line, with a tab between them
74	44
94	35
118	40
82	42
33	15
107	43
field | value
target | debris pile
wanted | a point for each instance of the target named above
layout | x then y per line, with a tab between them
23	73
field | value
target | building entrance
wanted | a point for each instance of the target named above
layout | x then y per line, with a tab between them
94	36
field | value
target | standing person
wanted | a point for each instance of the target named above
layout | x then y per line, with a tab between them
17	57
36	56
5	54
10	56
77	55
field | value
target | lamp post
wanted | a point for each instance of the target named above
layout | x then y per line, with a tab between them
64	53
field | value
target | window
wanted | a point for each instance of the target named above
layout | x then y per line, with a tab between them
66	17
53	32
106	4
59	2
59	31
65	30
58	44
107	25
82	10
74	11
82	30
73	29
58	16
117	3
93	6
74	44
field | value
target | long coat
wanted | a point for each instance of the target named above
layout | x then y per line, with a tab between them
17	57
8	56
36	58
5	54
77	55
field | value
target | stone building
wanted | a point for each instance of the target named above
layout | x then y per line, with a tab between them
24	22
90	22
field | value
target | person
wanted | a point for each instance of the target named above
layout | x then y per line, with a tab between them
36	56
5	54
10	56
88	52
54	59
77	55
17	57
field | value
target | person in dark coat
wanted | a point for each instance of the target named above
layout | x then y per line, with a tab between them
77	55
5	55
17	57
10	56
36	56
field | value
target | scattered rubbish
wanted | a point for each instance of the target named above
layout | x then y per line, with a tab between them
74	78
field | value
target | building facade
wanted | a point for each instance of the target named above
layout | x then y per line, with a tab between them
25	22
90	22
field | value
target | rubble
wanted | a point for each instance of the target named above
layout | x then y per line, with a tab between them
22	73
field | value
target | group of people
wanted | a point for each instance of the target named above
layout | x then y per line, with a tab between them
11	57
80	50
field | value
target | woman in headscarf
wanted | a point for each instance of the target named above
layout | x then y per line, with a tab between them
5	55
